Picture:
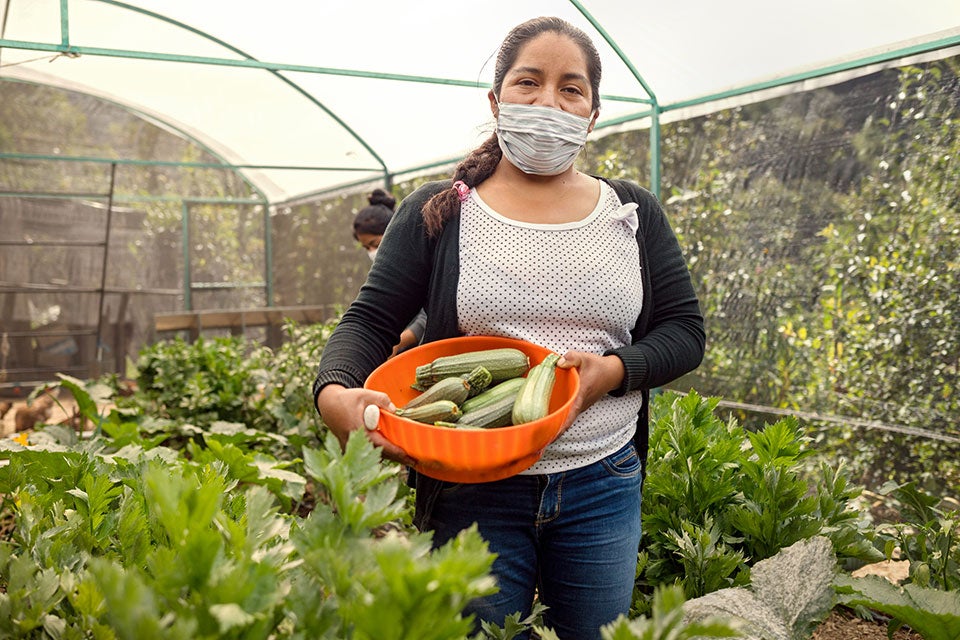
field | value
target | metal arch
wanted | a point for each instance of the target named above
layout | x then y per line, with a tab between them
224	163
247	56
655	108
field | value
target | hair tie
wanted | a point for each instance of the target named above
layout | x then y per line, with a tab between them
463	191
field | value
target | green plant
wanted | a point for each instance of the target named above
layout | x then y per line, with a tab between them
932	613
788	596
667	622
146	543
718	499
928	536
204	381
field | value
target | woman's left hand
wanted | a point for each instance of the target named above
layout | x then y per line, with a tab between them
599	375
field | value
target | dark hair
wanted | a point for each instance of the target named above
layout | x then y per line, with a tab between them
480	164
373	219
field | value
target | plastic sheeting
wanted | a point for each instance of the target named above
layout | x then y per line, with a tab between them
354	91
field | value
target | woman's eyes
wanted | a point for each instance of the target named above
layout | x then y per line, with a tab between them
529	82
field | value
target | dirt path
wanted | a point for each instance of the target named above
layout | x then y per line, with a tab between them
57	412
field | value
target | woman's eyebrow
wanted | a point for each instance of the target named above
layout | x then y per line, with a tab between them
539	72
526	70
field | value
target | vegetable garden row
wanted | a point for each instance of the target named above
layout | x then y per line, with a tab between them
208	501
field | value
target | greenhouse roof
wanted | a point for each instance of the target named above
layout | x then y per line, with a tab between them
307	97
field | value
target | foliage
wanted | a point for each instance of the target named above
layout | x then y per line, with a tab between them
930	612
928	537
234	380
718	499
789	594
204	381
136	543
823	234
288	391
666	621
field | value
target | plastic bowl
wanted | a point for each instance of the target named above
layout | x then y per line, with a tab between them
468	455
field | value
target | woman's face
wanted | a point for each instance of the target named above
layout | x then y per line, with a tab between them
550	71
370	243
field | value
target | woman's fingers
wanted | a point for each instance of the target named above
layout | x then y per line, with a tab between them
346	410
598	376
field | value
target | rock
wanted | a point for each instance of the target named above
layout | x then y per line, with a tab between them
789	594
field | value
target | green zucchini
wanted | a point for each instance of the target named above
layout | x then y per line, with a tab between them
456	388
478	381
506	388
503	363
533	399
492	415
436	411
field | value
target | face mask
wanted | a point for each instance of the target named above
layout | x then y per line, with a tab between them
540	140
372	253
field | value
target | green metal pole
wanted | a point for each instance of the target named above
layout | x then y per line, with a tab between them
655	151
104	266
187	284
268	253
64	23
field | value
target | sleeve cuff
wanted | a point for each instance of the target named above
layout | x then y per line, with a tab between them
634	366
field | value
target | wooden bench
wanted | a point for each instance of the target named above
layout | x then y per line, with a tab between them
237	321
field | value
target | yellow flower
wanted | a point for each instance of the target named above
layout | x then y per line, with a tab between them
22	439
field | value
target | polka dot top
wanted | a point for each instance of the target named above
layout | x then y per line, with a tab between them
571	286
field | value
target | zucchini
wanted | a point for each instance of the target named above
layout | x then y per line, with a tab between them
502	364
456	389
436	411
491	395
533	399
453	425
478	380
493	415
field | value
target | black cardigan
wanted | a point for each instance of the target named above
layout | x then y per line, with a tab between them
414	271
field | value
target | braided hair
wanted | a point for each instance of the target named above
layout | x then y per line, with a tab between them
482	161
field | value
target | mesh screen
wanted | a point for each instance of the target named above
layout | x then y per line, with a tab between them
821	229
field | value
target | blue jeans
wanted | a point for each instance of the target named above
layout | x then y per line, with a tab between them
571	538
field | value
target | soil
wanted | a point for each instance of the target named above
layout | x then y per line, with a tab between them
60	412
844	625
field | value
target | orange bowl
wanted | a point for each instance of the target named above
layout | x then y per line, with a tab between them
468	455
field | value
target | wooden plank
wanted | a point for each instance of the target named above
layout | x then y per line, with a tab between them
238	318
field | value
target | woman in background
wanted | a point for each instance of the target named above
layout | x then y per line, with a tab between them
369	225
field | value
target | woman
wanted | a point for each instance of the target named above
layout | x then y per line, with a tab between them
521	244
369	225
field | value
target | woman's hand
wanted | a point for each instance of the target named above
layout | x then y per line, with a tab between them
342	412
599	375
407	339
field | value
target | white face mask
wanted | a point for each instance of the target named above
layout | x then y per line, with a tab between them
372	253
540	140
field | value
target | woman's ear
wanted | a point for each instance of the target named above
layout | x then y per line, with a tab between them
494	109
593	121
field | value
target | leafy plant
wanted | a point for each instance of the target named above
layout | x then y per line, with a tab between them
667	622
789	594
203	382
932	613
150	544
718	499
928	537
